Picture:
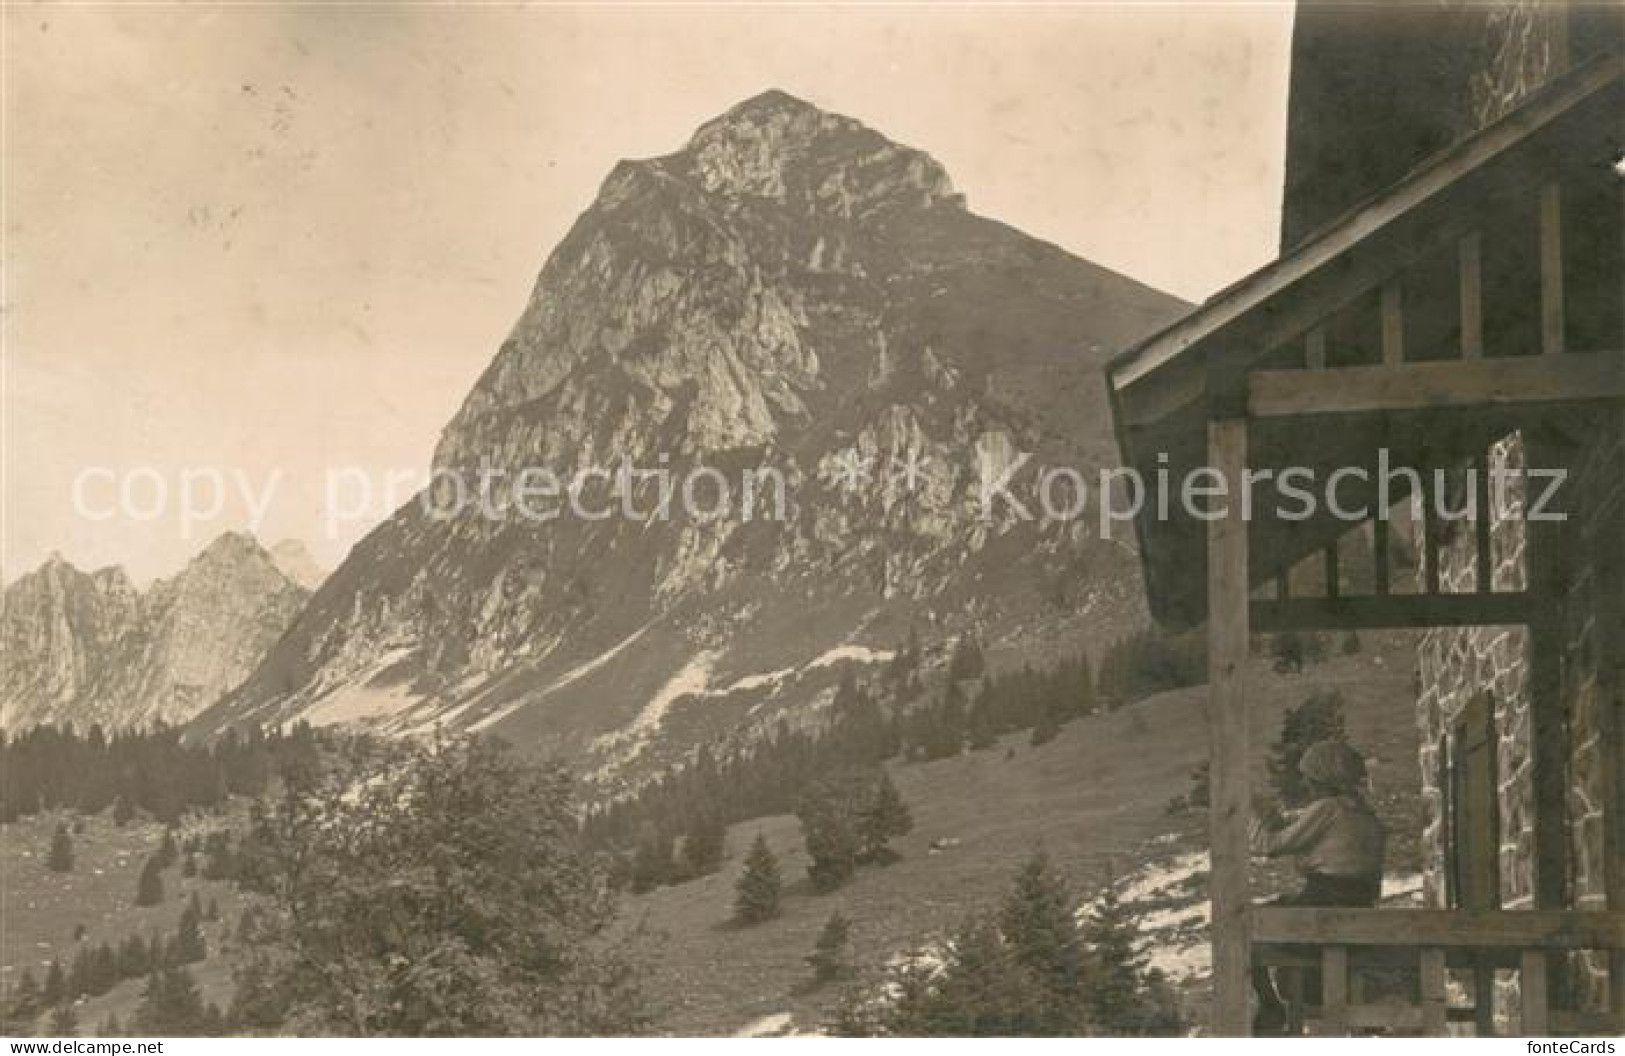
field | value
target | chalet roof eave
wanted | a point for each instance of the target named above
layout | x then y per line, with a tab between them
1379	213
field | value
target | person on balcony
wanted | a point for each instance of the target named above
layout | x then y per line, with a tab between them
1338	842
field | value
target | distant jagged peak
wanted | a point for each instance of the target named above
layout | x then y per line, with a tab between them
232	544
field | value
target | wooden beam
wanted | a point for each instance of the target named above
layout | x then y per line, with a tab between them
1393	322
1500	382
1361	612
1552	324
1470	274
1230	813
1454	928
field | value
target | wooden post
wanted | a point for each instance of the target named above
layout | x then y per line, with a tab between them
1435	996
1470	273
1334	991
1484	521
1230	812
1380	531
1551	268
1532	985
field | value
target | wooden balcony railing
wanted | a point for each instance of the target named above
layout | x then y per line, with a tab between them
1345	943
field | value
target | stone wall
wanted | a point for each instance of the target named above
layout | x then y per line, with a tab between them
1456	666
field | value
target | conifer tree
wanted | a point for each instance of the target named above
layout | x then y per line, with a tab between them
831	958
25	996
1038	921
168	852
1046	729
829	830
966	661
1317	718
60	857
171	1005
188	946
149	889
55	990
885	818
703	846
133	958
1122	997
64	1021
757	895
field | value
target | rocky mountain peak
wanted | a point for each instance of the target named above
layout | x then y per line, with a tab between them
793	290
775	146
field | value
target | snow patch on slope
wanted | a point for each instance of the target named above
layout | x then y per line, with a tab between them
690	680
575	674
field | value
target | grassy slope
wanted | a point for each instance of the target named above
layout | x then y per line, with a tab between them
1094	799
39	909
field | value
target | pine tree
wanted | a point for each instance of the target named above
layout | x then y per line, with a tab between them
703	846
149	890
966	661
168	852
1038	922
188	946
1318	718
1122	998
64	1021
60	857
1046	729
55	990
756	896
25	996
829	828
885	817
170	1005
652	862
134	959
831	958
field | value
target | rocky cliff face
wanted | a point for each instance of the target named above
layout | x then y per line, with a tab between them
86	648
790	290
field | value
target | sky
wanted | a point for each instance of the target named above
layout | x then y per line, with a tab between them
259	253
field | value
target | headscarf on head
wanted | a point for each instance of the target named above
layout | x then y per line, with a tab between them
1333	764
